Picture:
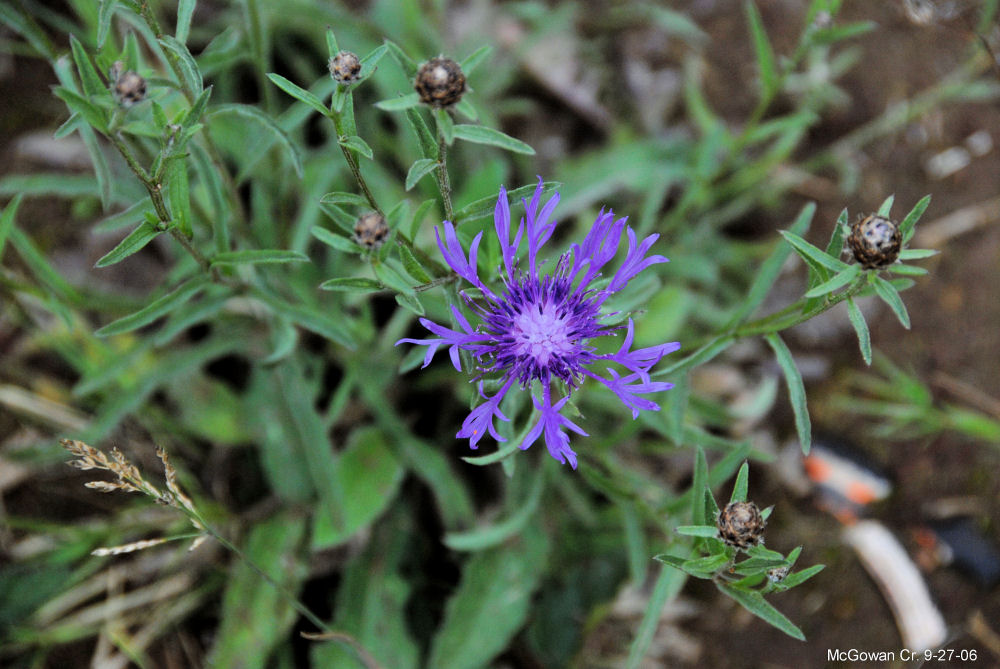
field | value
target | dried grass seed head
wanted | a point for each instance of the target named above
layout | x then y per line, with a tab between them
345	67
440	82
875	241
370	230
741	525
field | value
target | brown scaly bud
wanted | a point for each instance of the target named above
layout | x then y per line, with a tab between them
345	67
875	241
740	525
371	230
128	87
440	82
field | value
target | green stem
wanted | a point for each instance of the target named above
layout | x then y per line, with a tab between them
444	183
352	162
155	191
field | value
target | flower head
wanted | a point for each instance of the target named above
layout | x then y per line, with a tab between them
536	329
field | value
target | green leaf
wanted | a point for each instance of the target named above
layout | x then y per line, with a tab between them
185	9
800	577
369	62
368	475
698	530
179	196
472	61
492	602
331	43
910	221
669	583
839	280
809	252
487	537
484	207
91	113
189	71
886	206
890	296
467	109
258	257
373	599
836	244
336	241
256	616
93	85
494	457
412	265
796	389
269	124
763	51
399	103
155	309
917	254
906	270
405	62
7	220
861	328
197	109
298	93
699	483
740	488
351	284
136	240
445	125
340	197
755	603
418	170
105	13
480	134
358	145
428	145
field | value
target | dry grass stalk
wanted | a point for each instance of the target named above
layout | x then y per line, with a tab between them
130	479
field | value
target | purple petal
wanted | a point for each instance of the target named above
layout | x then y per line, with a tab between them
480	420
634	261
551	423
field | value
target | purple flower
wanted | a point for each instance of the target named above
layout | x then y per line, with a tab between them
536	328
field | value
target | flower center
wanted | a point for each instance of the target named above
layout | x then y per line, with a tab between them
542	333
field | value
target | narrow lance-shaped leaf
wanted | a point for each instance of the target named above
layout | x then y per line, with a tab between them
135	241
93	86
861	328
258	257
7	220
763	51
358	145
269	124
189	71
796	390
755	603
886	206
298	93
741	487
809	252
906	227
185	8
839	280
480	134
154	310
418	170
890	296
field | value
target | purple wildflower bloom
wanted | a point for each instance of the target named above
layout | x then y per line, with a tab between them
538	327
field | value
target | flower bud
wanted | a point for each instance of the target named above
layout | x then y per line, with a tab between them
345	67
128	87
875	241
371	230
440	82
740	525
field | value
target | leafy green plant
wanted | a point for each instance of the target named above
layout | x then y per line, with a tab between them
250	325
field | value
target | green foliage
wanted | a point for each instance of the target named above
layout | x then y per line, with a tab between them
746	581
257	341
